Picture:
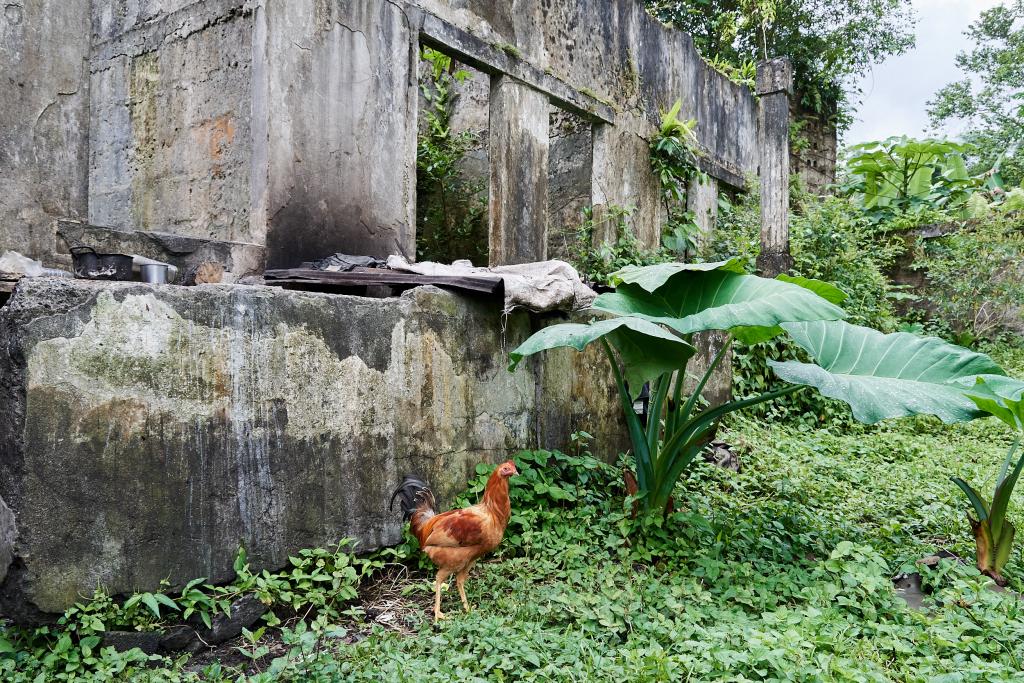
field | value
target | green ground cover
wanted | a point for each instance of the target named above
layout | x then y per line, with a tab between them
782	571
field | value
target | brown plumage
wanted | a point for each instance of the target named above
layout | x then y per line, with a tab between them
456	539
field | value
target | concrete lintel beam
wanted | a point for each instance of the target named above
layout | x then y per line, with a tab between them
503	60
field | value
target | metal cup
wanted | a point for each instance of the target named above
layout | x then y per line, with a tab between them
154	273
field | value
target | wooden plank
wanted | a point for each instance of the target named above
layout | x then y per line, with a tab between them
362	277
8	282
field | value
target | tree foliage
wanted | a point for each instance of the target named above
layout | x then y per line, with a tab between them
903	175
829	41
989	100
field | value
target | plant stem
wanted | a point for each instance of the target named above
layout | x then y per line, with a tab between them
641	453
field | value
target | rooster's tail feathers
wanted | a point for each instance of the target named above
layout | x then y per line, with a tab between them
413	495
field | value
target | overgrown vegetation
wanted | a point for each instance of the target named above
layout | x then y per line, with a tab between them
986	102
605	242
780	572
675	153
975	280
451	209
829	41
319	585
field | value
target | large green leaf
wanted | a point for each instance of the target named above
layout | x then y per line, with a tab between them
647	351
717	296
826	290
651	278
1000	396
885	375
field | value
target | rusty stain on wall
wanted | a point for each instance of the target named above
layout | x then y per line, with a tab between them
215	135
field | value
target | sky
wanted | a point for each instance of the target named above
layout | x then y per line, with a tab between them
896	92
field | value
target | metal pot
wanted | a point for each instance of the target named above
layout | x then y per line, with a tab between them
89	265
154	273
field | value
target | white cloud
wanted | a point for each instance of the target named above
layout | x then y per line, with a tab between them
896	92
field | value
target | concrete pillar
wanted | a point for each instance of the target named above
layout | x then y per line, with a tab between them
702	200
622	176
774	83
518	134
334	129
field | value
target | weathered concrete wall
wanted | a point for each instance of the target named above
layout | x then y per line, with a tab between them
814	148
44	114
335	122
170	139
518	153
292	124
146	432
617	53
570	173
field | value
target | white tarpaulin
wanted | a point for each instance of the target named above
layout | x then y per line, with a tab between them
540	286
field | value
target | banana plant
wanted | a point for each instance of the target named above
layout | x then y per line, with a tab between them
993	532
673	301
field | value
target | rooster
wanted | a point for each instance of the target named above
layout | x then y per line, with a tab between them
456	539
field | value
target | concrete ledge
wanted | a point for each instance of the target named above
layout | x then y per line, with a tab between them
238	258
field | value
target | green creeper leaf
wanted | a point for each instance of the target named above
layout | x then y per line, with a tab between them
885	375
647	351
690	300
164	600
149	600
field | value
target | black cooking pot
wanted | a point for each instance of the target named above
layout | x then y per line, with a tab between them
92	266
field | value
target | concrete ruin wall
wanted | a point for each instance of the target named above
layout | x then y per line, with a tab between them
148	432
291	124
814	150
44	120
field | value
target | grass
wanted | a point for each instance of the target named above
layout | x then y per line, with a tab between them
780	572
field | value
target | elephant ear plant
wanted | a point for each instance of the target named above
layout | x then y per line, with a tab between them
879	376
1003	398
662	306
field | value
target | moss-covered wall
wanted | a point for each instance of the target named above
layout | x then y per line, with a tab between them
150	431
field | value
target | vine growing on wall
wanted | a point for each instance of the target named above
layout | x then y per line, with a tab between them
675	153
451	211
596	259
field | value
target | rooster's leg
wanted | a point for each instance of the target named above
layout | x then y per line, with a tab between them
442	576
460	580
